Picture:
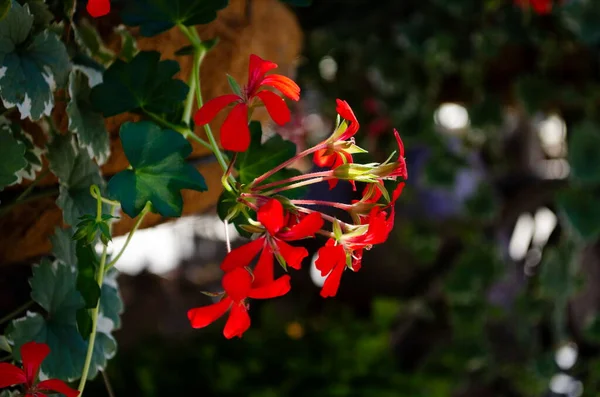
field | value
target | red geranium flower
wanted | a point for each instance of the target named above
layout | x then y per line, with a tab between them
98	8
239	285
339	151
32	355
347	252
277	228
235	135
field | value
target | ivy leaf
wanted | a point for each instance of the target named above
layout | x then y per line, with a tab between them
158	173
129	47
89	40
63	246
111	303
33	154
42	17
156	16
584	150
12	160
53	288
263	157
145	83
86	122
582	211
76	172
32	68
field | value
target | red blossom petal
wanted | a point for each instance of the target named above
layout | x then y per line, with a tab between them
242	256
58	386
98	8
263	271
238	321
332	183
329	256
256	71
332	283
271	216
307	227
346	113
275	289
235	135
324	157
200	317
237	283
11	375
397	192
32	354
276	107
284	84
399	142
206	113
293	256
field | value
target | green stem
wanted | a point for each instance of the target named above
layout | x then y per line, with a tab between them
186	132
16	312
130	236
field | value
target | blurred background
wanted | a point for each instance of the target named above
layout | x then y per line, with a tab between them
489	284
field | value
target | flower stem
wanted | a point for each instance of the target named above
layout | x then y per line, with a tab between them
288	162
186	132
326	217
17	311
130	236
294	179
297	185
342	206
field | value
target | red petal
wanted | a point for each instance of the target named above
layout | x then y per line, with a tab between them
275	289
11	375
324	157
206	113
332	183
58	386
330	256
235	135
307	227
242	256
332	283
293	256
399	142
271	216
237	283
397	192
346	113
276	107
98	8
238	321
32	354
284	84
263	271
256	71
200	317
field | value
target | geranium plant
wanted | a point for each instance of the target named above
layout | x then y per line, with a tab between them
47	57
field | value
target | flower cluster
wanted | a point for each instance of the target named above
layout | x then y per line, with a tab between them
280	221
32	355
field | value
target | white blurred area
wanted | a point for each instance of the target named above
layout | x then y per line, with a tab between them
315	274
452	117
328	68
530	235
552	133
162	248
566	385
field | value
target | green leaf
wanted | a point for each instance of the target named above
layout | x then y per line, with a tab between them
42	17
87	264
111	303
235	87
263	157
33	154
144	83
227	202
159	171
89	40
581	209
53	288
76	172
156	16
85	122
584	152
12	158
129	47
32	67
4	345
63	246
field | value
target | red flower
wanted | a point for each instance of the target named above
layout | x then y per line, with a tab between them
235	135
277	232
32	355
335	256
239	285
541	7
98	8
338	150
